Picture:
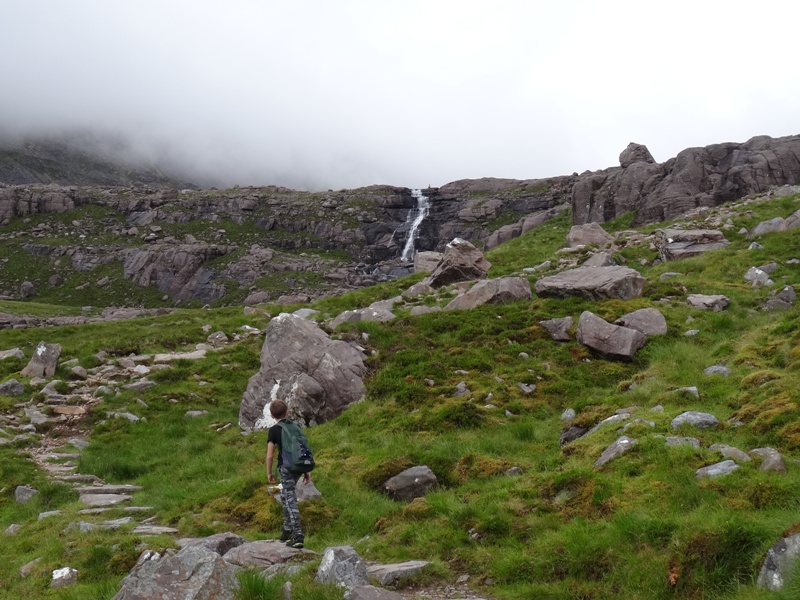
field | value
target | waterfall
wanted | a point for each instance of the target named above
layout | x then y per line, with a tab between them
422	211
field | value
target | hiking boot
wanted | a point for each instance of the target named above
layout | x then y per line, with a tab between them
286	535
296	541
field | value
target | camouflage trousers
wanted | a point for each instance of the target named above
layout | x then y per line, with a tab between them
291	514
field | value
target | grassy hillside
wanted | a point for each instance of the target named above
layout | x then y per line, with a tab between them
641	527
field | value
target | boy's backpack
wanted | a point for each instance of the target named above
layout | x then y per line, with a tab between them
295	451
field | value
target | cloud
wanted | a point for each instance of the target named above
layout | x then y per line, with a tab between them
323	94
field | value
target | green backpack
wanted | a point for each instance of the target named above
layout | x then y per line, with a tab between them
295	451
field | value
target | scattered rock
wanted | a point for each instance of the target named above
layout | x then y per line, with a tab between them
672	440
675	244
390	574
13	353
558	328
261	554
618	448
24	493
411	483
12	387
726	467
28	567
731	452
649	321
780	563
369	592
715	302
717	370
12	529
773	460
700	420
342	566
369	314
610	340
601	259
219	542
64	577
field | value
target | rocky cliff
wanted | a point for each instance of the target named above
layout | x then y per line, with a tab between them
222	245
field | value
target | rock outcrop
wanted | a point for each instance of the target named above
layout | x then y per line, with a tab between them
695	177
611	340
461	261
316	376
492	291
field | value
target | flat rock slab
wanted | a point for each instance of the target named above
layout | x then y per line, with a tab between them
594	283
700	420
492	291
70	411
368	592
675	244
715	302
617	449
109	489
388	574
104	499
154	530
726	467
263	553
649	321
219	542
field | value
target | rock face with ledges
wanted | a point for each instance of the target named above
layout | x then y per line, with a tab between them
594	283
675	244
696	177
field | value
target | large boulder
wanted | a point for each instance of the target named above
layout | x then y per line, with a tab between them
316	376
492	291
461	261
649	321
426	261
588	234
635	153
608	339
674	244
780	563
194	573
594	283
44	361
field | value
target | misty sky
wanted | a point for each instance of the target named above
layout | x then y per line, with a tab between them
318	94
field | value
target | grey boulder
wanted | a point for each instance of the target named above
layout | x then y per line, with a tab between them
377	315
588	234
492	291
608	339
594	283
44	361
390	574
780	563
316	376
700	420
261	554
649	321
411	483
675	244
618	448
194	573
461	261
715	302
558	328
726	467
342	566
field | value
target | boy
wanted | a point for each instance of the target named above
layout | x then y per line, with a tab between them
292	534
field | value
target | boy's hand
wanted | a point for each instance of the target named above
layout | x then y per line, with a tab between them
307	477
271	477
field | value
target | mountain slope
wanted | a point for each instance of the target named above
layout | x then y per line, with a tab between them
643	526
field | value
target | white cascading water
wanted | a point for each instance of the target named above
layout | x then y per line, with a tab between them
423	204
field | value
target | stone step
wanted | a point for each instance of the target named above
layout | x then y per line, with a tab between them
110	488
78	478
154	530
62	456
104	499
